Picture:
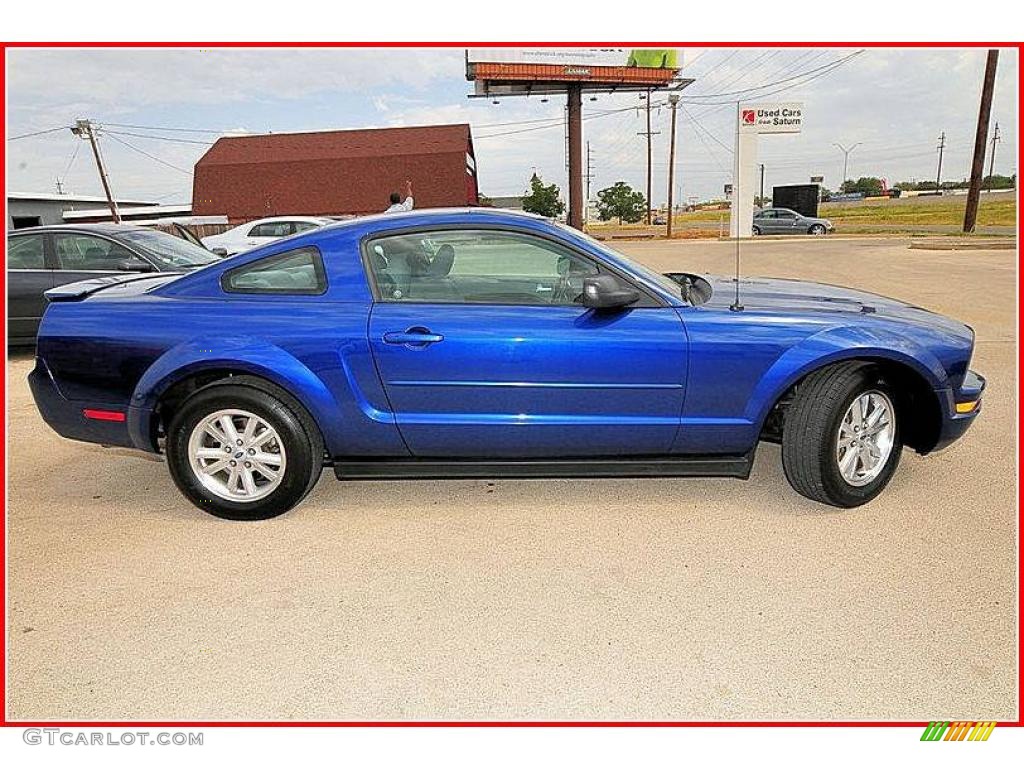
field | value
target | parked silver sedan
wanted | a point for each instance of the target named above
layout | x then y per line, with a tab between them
784	221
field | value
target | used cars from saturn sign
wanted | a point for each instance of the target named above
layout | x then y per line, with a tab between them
772	118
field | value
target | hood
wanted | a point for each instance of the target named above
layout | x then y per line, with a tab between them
801	296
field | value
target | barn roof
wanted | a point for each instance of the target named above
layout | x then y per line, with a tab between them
333	145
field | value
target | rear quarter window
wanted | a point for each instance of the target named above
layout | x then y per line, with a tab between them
294	273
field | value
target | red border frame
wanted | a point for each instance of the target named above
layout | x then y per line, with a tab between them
4	722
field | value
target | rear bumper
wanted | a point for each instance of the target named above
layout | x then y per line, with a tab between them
68	417
960	409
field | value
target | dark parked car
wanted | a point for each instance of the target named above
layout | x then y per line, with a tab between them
41	258
483	343
784	221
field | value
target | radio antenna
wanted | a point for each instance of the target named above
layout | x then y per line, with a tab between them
737	306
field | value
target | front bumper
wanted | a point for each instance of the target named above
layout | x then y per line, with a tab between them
957	416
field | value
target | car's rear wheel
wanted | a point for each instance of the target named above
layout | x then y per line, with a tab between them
817	229
841	440
243	451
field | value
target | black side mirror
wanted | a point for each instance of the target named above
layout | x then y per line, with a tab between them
135	265
218	251
607	292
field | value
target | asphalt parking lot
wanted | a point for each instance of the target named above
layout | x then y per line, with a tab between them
612	599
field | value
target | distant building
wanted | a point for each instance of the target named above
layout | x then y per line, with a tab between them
512	203
145	216
334	173
34	210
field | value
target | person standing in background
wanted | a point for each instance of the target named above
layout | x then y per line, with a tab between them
397	204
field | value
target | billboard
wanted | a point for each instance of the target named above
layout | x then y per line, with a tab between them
660	58
497	71
772	118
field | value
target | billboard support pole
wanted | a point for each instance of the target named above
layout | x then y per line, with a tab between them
575	104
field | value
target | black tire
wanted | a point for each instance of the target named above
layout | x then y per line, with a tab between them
811	429
755	231
816	229
301	441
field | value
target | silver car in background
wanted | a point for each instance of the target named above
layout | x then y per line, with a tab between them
784	221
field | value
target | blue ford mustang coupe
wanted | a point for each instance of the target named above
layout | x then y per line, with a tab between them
477	343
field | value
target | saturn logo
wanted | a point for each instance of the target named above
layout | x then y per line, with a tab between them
748	117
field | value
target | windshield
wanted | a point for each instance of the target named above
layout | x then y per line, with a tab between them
168	250
667	283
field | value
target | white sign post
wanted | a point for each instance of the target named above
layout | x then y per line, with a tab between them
751	121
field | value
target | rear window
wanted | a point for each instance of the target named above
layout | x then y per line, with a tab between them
299	272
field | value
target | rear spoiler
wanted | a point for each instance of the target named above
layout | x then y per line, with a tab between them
82	289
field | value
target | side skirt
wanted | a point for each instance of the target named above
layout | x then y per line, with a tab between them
440	469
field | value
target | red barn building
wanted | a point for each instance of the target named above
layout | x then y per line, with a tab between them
331	173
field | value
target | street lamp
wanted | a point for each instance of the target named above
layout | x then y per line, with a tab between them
846	158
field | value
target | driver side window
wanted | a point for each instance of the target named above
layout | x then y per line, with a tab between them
477	267
86	253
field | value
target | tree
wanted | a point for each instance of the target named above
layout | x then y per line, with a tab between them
869	186
543	200
622	202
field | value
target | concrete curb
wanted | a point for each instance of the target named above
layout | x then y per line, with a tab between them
964	244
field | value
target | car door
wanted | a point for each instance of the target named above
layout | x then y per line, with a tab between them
485	351
786	221
81	256
29	275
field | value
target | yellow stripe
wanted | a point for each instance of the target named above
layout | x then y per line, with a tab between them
988	730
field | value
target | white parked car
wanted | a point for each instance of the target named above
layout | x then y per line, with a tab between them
260	232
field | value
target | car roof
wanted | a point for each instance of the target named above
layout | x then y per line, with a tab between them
270	219
424	216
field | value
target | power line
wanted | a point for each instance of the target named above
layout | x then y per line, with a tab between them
824	69
39	133
67	169
158	138
165	128
151	157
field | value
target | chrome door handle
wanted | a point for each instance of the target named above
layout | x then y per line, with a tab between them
415	337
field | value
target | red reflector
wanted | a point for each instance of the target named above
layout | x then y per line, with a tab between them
92	413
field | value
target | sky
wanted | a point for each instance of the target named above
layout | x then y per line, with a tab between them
158	111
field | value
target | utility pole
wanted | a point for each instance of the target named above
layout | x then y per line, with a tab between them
760	201
992	154
673	99
648	133
978	164
84	129
938	174
846	159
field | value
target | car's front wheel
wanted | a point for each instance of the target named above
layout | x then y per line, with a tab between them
241	450
755	230
817	229
841	439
